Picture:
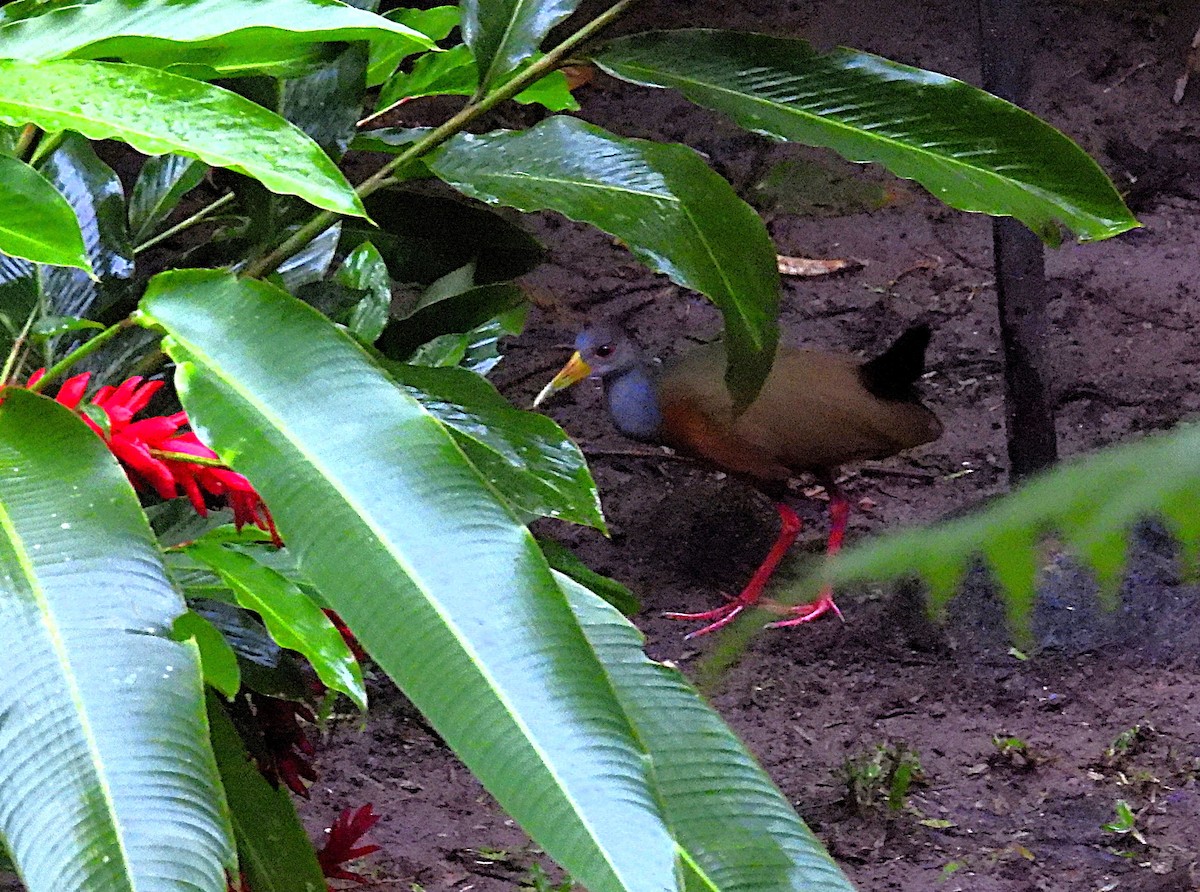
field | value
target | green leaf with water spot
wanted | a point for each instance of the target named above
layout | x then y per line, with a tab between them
673	212
156	112
972	150
36	223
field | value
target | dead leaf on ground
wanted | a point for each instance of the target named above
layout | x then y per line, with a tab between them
813	266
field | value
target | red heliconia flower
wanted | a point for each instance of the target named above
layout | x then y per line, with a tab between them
350	826
289	752
142	448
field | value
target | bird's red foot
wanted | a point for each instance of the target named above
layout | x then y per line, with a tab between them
806	613
717	618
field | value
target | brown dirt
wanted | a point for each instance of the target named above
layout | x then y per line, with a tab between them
1124	313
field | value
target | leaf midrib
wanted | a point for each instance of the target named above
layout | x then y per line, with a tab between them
58	646
467	647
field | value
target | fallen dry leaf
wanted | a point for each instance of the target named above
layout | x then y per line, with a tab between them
812	266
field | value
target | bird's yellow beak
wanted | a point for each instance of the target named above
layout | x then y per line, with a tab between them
572	373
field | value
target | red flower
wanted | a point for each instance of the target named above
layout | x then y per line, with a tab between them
288	751
339	848
146	449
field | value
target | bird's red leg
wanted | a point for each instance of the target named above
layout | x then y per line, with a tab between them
839	514
725	614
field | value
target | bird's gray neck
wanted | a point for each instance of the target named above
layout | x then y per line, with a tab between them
633	403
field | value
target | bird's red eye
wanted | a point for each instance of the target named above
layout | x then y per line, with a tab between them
604	350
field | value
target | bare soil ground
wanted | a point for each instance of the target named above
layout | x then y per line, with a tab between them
983	817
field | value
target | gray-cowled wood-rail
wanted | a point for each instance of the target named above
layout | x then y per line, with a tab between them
815	412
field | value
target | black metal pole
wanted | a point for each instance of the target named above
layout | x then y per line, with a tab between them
1004	37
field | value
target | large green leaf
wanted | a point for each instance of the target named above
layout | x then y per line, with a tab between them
435	23
504	33
535	466
972	150
36	222
274	851
735	830
226	37
107	781
1092	504
674	213
291	616
156	112
439	582
94	192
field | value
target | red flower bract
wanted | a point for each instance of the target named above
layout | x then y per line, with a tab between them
149	449
348	829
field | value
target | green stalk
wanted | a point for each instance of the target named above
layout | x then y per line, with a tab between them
182	225
188	458
10	363
426	144
86	349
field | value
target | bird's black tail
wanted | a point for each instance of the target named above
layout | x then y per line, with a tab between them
892	374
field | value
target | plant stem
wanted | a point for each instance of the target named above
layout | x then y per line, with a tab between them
167	455
182	225
83	350
430	141
10	363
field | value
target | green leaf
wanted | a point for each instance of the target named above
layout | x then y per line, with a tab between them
734	829
94	192
156	112
364	270
36	223
504	33
273	849
444	588
562	559
1092	502
52	326
327	103
458	313
217	658
535	466
972	150
674	213
293	620
386	54
454	73
226	37
105	740
161	184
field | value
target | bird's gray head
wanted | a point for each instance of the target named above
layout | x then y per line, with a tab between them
607	350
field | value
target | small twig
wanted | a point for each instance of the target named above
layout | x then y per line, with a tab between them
191	221
28	133
11	362
642	453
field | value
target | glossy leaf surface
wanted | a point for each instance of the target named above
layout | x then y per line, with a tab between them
217	659
528	458
293	620
972	150
504	33
454	73
94	192
444	588
105	738
36	223
156	113
674	213
223	36
161	184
